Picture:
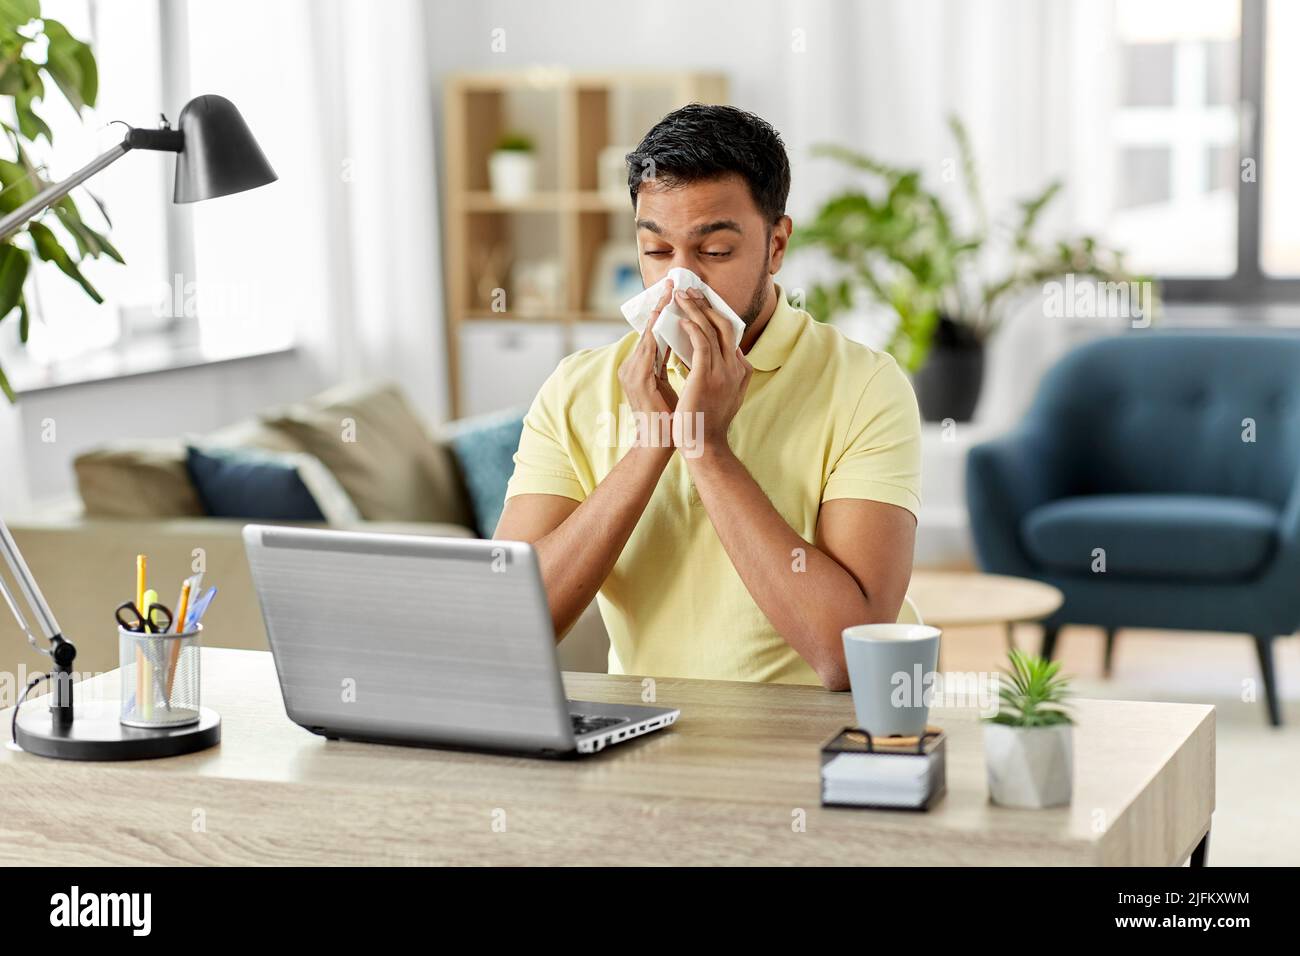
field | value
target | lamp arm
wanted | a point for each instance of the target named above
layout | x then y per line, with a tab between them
61	651
27	585
56	191
164	140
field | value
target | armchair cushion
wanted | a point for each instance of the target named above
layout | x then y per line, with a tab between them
1206	537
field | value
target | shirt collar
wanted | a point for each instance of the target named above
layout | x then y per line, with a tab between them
778	337
774	343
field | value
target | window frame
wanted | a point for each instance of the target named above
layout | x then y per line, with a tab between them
1248	284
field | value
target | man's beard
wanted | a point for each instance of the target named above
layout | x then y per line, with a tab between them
757	300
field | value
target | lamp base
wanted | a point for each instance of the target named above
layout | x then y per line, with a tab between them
96	734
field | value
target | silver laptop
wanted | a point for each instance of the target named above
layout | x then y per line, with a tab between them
422	640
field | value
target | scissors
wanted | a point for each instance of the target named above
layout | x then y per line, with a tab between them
158	621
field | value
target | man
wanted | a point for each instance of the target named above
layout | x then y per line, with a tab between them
790	512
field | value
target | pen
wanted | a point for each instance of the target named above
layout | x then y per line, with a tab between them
199	607
146	674
150	599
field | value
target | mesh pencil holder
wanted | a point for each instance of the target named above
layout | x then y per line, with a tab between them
160	678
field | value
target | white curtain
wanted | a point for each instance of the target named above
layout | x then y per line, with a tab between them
345	246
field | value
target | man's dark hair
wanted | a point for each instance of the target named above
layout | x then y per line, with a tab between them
699	142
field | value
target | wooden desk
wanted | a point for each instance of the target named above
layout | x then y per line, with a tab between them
724	786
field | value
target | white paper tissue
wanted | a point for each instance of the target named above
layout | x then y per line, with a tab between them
667	333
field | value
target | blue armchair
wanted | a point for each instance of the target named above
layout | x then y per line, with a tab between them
1156	482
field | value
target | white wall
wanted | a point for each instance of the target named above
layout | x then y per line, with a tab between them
879	75
805	96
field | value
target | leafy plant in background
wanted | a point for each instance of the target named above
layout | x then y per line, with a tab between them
898	244
33	51
1033	693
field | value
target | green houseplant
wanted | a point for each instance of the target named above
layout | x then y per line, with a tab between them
1028	746
896	243
35	51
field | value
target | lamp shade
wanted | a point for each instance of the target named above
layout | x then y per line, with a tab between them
219	156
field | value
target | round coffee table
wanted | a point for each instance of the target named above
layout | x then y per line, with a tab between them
971	599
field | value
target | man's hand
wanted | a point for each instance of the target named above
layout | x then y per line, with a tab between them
644	379
719	376
577	544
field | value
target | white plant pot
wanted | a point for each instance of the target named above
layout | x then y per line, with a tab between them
513	174
1030	767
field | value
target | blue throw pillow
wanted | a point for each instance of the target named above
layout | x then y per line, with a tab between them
485	451
241	483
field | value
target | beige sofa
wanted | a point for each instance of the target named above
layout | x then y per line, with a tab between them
136	498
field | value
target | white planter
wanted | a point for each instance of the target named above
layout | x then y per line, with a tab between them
513	174
1029	767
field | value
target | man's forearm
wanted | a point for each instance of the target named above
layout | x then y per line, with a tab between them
807	595
579	554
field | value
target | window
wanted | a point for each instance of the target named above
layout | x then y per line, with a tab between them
1203	146
66	322
1280	238
1174	128
192	289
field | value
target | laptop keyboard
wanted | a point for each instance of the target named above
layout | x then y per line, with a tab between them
586	723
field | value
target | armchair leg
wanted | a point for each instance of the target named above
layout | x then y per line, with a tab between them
1109	655
1049	642
1264	648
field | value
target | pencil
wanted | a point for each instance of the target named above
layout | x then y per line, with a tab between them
178	625
140	564
182	606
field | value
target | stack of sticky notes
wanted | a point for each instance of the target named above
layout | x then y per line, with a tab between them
887	773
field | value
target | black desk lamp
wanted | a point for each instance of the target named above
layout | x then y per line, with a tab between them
216	156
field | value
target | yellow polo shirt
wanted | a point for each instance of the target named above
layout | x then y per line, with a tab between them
823	418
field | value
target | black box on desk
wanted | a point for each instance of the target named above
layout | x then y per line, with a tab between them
883	773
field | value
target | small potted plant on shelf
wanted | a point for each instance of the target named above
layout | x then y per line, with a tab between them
1028	745
896	244
512	168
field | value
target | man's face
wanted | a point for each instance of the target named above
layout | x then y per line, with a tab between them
713	228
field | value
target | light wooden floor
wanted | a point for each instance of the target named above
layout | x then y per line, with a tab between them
1257	816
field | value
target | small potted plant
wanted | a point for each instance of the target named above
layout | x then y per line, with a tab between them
512	168
1028	746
